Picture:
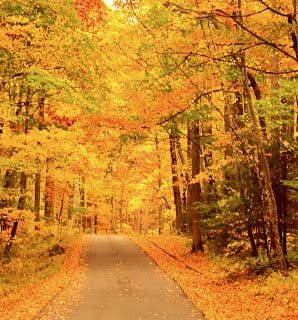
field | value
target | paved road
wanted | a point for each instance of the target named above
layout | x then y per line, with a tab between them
124	284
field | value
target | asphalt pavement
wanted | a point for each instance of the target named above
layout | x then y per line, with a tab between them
122	283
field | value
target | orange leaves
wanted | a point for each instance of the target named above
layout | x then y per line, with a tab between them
113	122
197	35
58	120
171	102
217	295
230	24
91	11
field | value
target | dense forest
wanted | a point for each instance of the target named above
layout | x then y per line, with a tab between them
152	118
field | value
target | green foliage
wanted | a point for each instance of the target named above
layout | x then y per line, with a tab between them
202	114
257	264
78	210
13	8
135	137
218	222
233	73
43	80
288	87
292	184
157	17
275	112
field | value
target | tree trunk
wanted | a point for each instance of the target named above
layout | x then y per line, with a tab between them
139	222
264	173
247	217
71	202
37	196
195	191
189	161
37	188
23	182
10	182
61	207
186	180
146	216
121	209
160	219
175	181
113	213
278	164
95	224
10	241
160	206
23	185
49	195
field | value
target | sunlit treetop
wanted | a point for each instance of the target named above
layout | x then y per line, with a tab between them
109	3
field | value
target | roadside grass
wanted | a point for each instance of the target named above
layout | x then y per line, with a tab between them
222	288
31	277
29	260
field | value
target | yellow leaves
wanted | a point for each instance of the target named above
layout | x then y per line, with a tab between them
135	203
201	178
30	152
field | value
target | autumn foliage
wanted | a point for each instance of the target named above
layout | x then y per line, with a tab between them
171	117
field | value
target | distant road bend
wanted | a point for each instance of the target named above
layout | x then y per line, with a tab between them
124	284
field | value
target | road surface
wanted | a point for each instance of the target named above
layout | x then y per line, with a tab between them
124	284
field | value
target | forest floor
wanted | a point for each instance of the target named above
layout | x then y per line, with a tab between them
218	293
25	301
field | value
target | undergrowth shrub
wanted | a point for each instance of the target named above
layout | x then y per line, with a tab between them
29	257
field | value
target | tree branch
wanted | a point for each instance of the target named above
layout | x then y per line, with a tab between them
272	9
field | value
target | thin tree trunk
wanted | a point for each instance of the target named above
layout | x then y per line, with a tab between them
186	180
254	250
195	194
23	185
160	219
95	224
61	207
82	193
121	209
71	202
175	181
10	182
139	222
37	184
146	218
113	213
37	196
49	194
278	164
160	207
10	241
189	161
126	214
23	182
49	198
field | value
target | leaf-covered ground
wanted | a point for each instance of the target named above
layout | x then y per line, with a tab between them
28	303
218	295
